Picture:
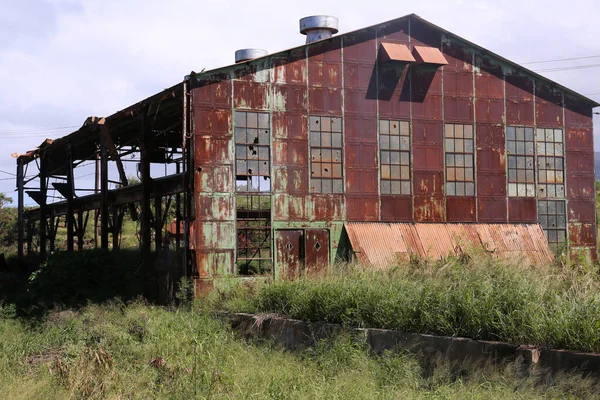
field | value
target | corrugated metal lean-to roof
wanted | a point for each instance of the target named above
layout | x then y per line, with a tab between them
381	244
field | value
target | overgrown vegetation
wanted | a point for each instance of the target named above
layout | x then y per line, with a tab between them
139	351
472	296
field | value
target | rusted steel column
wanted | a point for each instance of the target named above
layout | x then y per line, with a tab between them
20	206
80	230
29	237
146	185
177	213
43	212
116	227
103	196
158	222
70	211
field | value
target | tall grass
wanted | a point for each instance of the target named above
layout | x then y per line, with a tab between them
119	351
474	296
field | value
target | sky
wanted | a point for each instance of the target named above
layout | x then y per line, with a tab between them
64	60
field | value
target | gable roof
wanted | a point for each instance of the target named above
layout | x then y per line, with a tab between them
415	17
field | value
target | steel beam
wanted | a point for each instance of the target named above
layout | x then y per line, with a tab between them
145	148
103	196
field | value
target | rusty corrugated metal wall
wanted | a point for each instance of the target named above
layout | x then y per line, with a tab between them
343	78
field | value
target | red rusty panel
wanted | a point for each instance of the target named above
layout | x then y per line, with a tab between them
428	183
213	122
396	208
396	30
325	101
580	139
360	129
461	209
491	209
577	113
214	208
357	102
361	154
211	178
490	135
427	132
213	263
488	86
287	125
579	162
458	83
358	76
458	109
317	257
519	112
288	252
360	180
519	88
548	106
582	210
298	208
428	158
298	180
429	209
360	47
213	150
290	152
362	208
491	184
250	95
290	68
430	108
581	186
582	234
216	95
489	110
293	97
326	207
491	160
522	209
327	74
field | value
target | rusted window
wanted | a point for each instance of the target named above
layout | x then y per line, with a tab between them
394	155
553	219
520	151
254	245
550	163
459	145
326	165
253	198
252	151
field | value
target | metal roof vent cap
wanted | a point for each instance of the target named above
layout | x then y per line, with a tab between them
318	27
249	54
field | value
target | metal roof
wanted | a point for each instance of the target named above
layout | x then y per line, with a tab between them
381	244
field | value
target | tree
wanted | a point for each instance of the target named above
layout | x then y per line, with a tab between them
8	224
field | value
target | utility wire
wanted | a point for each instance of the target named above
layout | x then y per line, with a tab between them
36	130
568	68
8	173
560	59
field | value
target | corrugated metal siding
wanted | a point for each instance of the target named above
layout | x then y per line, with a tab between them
380	244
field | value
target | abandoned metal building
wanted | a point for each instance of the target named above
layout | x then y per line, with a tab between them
389	140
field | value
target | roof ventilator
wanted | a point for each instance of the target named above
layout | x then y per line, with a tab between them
249	54
318	27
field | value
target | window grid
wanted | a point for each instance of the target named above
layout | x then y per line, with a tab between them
552	217
252	151
550	163
326	165
459	145
520	148
394	156
254	245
